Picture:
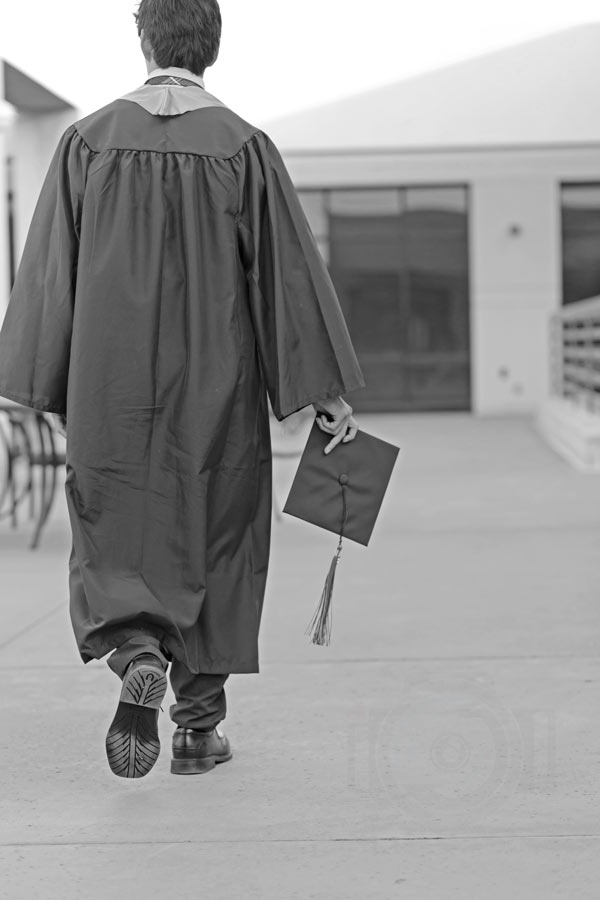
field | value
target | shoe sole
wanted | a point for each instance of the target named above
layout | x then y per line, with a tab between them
132	744
197	766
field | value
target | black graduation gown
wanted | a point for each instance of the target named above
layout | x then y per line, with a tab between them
168	283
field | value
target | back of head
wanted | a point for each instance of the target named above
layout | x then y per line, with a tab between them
182	33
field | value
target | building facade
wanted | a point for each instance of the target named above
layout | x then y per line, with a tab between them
32	119
457	212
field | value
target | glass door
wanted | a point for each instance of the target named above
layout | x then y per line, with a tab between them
435	236
379	329
399	261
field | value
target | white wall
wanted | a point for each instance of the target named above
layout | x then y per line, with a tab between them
33	140
515	287
5	119
515	279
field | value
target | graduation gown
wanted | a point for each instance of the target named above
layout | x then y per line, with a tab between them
168	284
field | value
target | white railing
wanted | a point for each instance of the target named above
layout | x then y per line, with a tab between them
575	354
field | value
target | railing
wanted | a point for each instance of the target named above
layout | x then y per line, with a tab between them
30	455
575	354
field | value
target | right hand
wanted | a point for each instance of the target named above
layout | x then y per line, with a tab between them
335	417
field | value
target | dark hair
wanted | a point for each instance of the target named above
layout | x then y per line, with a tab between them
182	33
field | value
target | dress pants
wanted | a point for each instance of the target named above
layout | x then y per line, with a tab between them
200	699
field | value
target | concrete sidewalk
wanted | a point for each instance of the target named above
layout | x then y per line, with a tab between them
446	745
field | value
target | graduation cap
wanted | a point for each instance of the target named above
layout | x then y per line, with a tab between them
341	492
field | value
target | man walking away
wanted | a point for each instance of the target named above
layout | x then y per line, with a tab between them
168	284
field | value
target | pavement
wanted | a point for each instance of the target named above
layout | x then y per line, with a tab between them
445	745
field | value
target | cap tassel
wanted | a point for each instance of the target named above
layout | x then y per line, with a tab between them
321	623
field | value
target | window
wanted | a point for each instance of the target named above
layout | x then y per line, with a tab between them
398	257
580	241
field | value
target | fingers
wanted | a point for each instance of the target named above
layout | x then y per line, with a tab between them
342	426
333	414
323	424
333	444
352	430
330	427
337	421
345	435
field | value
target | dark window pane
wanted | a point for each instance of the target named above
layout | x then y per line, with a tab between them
437	260
373	202
372	304
399	260
371	244
377	324
580	241
452	198
437	242
438	314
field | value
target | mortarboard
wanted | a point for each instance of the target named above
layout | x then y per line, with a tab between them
342	492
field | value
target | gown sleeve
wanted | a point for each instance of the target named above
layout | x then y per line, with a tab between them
303	342
35	339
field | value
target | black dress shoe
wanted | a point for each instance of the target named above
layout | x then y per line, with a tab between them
195	752
132	744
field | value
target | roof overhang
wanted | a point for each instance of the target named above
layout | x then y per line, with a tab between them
539	93
29	96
